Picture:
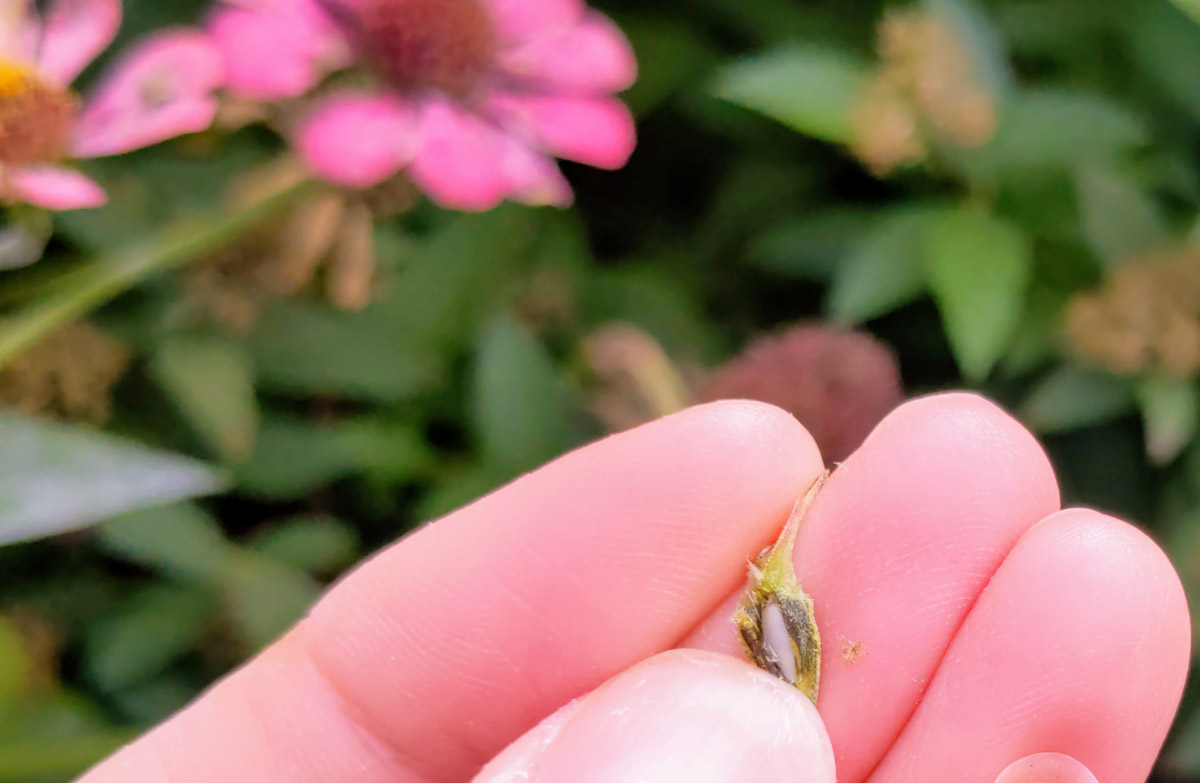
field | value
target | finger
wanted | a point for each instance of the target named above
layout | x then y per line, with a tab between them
1046	768
682	716
1079	645
442	649
896	549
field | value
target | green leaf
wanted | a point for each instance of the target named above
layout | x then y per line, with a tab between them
1191	7
885	270
978	267
402	345
155	700
656	296
1181	760
810	88
210	380
1166	46
179	540
523	412
1056	129
1170	415
390	450
55	712
1071	398
47	759
55	737
458	487
55	478
294	456
458	279
671	56
1118	218
265	597
1037	339
808	247
314	543
309	348
148	632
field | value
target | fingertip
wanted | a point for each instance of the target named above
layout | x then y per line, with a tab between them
645	531
682	715
963	420
1046	768
1121	561
766	429
1080	643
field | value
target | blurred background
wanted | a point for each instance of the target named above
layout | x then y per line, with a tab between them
834	205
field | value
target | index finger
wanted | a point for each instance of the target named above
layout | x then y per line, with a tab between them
442	649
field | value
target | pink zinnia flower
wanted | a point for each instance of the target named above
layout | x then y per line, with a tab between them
474	98
161	89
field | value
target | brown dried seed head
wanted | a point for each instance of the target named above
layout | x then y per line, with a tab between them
68	374
925	91
885	129
1145	318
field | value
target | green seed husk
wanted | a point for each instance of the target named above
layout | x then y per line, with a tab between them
773	584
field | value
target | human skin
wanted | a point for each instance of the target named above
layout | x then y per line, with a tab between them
574	626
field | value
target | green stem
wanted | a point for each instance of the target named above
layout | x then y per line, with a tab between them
91	286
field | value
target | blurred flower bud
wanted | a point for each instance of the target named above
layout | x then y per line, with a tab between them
40	644
838	384
885	126
925	92
24	239
325	241
1145	318
636	380
69	374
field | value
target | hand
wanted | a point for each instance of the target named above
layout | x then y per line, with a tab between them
968	625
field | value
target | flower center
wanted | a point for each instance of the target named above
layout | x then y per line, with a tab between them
415	44
36	119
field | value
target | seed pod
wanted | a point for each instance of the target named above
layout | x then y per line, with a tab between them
775	620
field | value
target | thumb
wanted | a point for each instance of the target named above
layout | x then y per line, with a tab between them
1046	768
683	715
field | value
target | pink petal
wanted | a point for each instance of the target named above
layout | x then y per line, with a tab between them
522	20
358	140
266	58
74	33
591	58
281	52
54	187
161	89
595	131
534	178
19	30
461	164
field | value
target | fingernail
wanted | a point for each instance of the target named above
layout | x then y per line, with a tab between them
684	715
1046	768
